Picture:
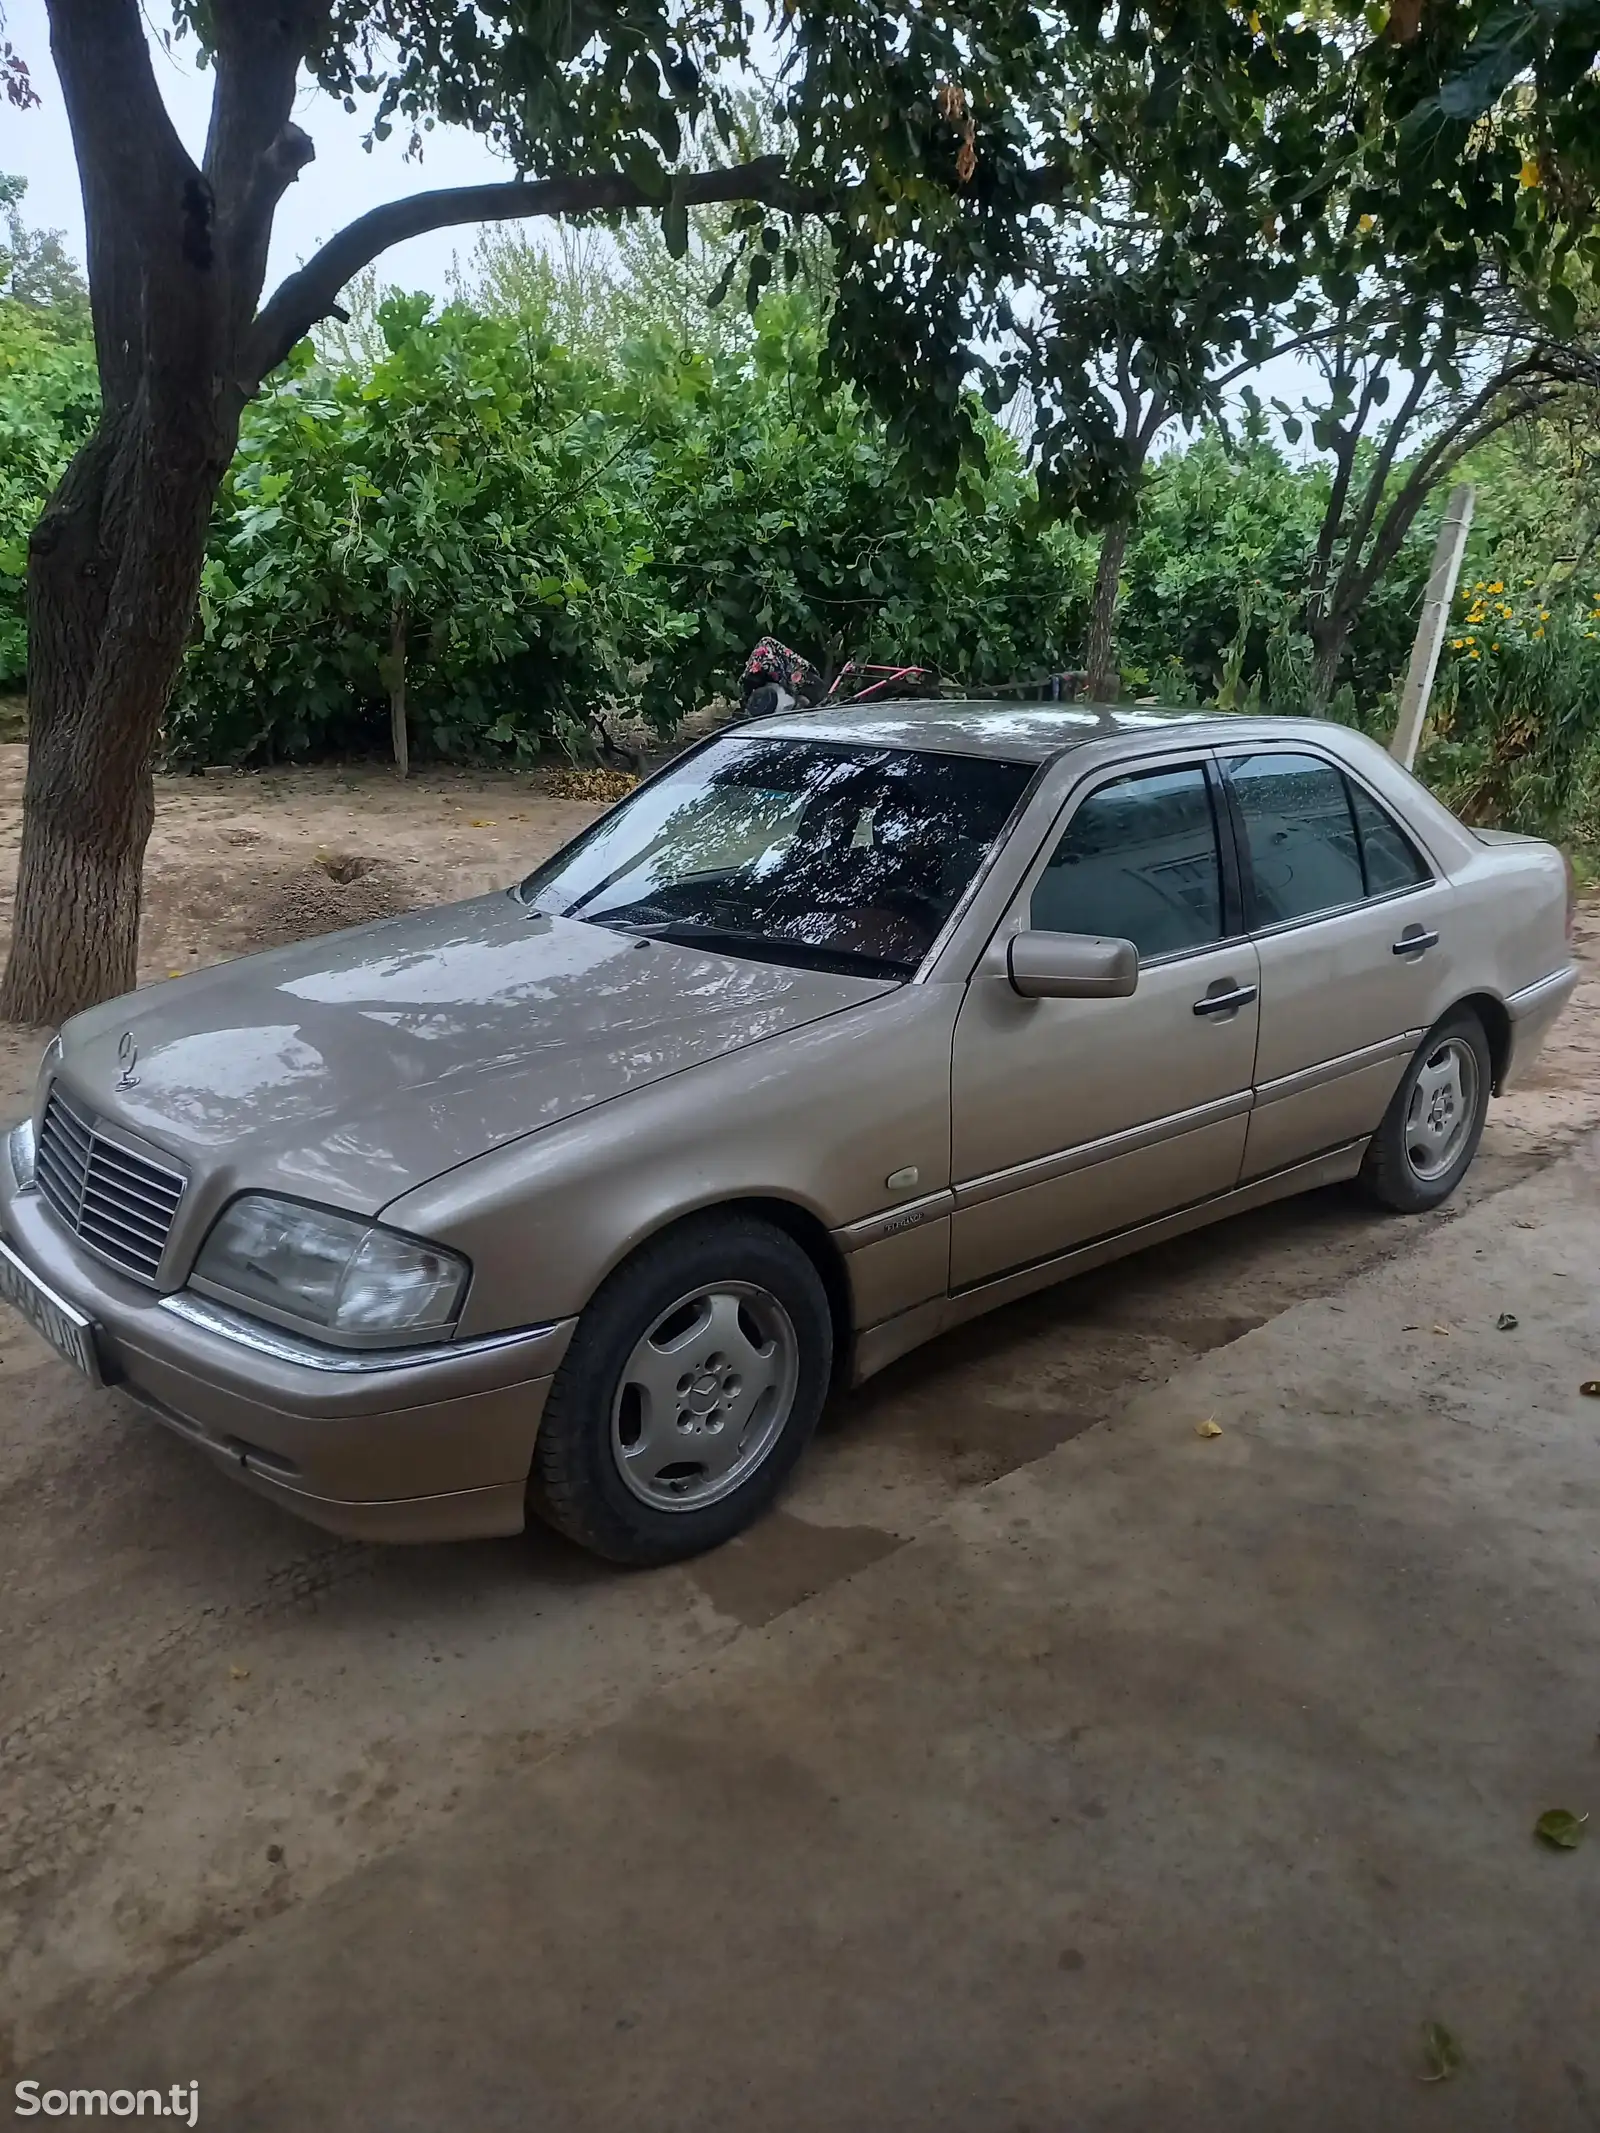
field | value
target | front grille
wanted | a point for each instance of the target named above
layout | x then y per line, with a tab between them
118	1204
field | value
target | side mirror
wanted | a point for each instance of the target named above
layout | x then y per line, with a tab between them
1071	966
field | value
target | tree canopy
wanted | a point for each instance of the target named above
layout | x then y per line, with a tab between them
954	152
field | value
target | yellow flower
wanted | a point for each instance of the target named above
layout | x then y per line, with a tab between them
1470	640
1478	588
1474	655
1495	646
1529	174
1366	223
1540	631
1506	613
1544	614
1456	643
1497	587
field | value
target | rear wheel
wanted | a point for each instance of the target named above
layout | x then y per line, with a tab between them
1430	1133
692	1386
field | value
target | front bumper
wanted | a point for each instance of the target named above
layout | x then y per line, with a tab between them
432	1445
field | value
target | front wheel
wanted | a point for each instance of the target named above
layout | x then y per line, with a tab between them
692	1386
1431	1130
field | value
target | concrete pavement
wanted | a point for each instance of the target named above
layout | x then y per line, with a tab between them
1170	1782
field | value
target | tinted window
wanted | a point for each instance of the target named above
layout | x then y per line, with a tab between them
1299	835
790	851
1392	860
1138	862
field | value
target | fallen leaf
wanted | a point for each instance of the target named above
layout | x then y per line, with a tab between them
1441	1329
1590	1388
1560	1829
1410	1329
174	973
1525	1225
1208	1428
1441	2051
239	1673
1507	1322
477	825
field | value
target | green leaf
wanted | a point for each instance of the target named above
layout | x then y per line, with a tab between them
1441	2052
1560	1829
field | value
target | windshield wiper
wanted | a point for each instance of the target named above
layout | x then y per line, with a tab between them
769	948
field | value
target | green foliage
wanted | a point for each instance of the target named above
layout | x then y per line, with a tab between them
962	154
48	404
37	271
572	532
566	536
1215	579
1515	724
470	481
780	506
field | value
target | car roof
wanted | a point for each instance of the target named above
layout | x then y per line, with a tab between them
1013	732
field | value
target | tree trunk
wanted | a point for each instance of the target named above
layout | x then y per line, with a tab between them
397	690
113	572
1102	678
1328	635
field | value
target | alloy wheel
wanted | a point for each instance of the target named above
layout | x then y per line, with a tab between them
704	1396
1442	1108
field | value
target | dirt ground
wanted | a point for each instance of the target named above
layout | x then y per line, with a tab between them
209	1713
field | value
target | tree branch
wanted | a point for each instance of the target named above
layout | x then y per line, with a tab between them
1344	459
1383	465
1154	422
142	196
254	150
1311	338
1427	475
309	295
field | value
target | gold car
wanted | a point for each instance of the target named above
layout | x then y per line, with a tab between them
845	1027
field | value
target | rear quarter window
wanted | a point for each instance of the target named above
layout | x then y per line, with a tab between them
1390	858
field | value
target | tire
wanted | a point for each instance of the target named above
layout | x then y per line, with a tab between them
691	1388
1431	1130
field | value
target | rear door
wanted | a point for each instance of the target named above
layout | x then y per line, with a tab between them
1075	1118
1353	931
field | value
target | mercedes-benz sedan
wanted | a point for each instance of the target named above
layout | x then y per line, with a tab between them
845	1027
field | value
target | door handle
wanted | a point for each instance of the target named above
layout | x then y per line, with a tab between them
1416	940
1226	1001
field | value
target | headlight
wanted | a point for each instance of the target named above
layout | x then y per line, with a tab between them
20	1148
308	1266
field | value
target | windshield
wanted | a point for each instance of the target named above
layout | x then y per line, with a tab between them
841	857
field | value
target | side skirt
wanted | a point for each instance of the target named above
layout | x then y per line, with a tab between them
880	1345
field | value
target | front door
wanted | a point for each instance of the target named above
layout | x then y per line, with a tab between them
1355	940
1075	1118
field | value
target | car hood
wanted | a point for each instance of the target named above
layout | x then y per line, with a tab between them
354	1067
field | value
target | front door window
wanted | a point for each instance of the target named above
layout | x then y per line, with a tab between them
1138	862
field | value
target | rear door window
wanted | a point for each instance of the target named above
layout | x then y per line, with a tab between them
1300	839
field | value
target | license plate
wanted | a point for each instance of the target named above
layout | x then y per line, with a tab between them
65	1328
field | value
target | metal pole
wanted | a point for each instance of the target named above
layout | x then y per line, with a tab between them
1447	554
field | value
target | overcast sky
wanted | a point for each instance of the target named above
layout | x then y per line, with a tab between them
342	183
